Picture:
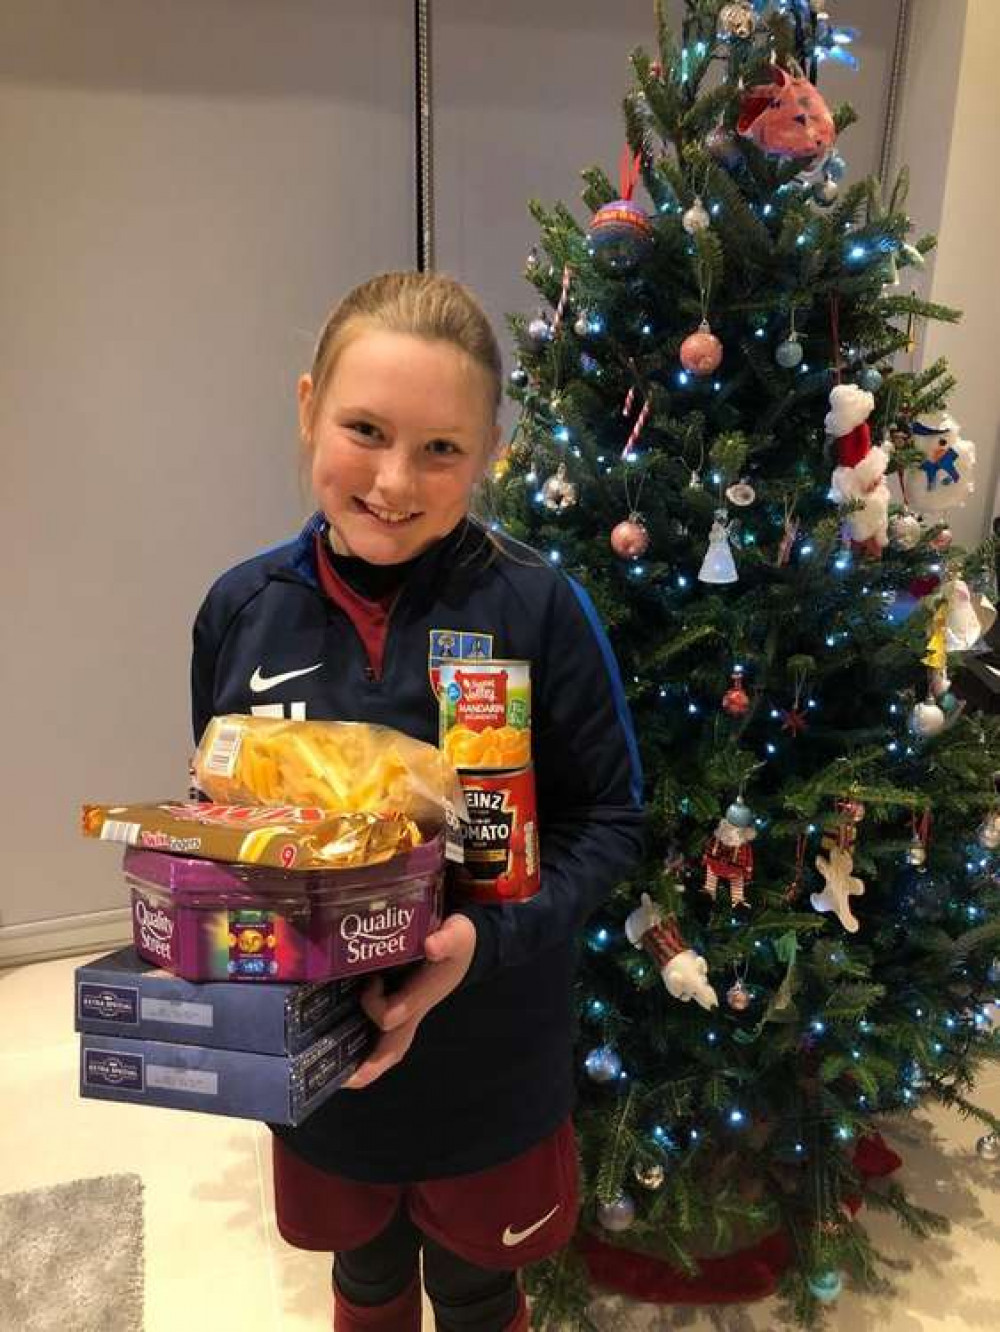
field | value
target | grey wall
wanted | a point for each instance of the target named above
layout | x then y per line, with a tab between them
187	187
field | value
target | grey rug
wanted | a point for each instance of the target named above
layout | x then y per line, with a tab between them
71	1257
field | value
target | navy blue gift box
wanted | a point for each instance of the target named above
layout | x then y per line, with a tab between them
273	1053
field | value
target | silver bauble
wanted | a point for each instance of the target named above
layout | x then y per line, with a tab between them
988	1147
825	192
926	719
916	853
905	531
617	1215
603	1064
540	330
696	218
649	1176
788	354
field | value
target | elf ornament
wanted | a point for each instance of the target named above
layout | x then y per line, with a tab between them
860	474
946	477
684	973
728	855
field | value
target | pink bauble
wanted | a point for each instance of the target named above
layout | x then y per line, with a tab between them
701	352
630	539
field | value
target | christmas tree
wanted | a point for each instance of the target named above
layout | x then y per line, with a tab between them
724	438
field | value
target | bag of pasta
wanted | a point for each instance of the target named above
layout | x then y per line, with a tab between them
343	767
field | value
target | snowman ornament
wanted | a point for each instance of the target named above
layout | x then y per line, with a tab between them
946	477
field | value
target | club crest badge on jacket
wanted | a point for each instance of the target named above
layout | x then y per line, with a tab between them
455	645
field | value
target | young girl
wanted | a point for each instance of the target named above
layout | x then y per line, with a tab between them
454	1137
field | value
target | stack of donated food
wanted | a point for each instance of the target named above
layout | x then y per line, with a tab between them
318	856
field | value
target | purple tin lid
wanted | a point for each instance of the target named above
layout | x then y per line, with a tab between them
186	877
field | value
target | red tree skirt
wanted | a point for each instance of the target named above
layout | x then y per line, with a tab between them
737	1278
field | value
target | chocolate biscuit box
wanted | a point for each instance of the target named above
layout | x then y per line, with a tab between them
278	1089
122	994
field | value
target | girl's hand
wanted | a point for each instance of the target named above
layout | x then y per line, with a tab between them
448	954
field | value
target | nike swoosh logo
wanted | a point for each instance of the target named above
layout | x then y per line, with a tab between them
258	682
512	1236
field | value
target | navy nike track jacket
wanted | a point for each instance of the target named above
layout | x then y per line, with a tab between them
490	1071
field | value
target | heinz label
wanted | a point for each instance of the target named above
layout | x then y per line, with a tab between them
501	837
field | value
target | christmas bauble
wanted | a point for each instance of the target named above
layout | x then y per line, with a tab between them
926	719
696	218
617	1215
825	192
589	364
630	539
736	21
736	701
540	330
905	531
993	972
942	540
989	832
826	1286
788	354
701	351
649	1176
620	234
722	145
947	702
603	1064
988	1147
869	379
582	326
739	813
738	997
519	377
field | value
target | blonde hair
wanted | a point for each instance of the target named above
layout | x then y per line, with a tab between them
424	305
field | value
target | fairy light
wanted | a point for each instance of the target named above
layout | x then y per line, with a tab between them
737	1117
683	378
562	434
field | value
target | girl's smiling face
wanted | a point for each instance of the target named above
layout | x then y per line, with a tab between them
402	434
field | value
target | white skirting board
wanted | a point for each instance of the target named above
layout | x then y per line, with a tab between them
64	936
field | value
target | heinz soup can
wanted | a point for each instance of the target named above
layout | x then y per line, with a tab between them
501	837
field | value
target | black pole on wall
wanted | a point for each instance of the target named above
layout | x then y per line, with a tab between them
897	73
424	157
